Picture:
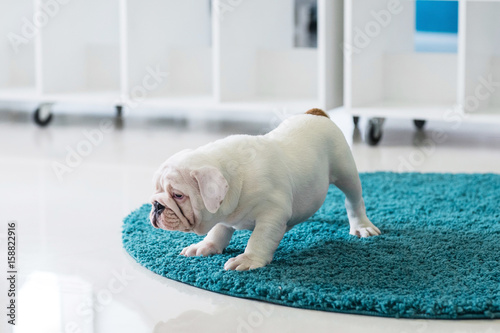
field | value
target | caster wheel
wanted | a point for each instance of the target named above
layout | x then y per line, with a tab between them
355	120
374	131
419	124
43	115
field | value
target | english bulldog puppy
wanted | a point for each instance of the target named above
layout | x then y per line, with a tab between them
265	183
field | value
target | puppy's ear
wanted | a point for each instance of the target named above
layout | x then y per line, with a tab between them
213	187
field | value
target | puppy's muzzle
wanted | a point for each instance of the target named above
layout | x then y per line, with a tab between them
158	209
165	214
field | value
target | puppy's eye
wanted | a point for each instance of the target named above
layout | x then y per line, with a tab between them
178	196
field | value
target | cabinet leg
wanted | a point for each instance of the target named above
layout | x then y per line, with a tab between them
374	131
419	124
119	111
355	120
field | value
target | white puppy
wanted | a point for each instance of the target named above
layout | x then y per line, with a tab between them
267	183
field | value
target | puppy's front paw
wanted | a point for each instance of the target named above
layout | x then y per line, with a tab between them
366	229
244	262
201	249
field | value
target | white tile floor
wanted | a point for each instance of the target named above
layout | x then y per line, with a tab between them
74	275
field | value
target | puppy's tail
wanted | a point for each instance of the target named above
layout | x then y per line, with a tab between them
317	112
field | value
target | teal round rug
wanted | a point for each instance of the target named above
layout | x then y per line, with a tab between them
438	255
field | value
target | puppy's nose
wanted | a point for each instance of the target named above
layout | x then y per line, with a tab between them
159	208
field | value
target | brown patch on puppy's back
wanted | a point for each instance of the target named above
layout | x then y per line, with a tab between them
317	112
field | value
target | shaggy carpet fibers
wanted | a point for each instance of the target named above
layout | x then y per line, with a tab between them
437	257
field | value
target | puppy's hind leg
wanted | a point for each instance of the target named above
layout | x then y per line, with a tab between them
359	223
344	175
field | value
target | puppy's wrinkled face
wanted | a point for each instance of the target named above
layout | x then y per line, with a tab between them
172	207
186	197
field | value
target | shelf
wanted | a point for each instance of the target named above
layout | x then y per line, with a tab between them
445	113
387	67
258	60
89	97
486	116
406	110
278	106
80	48
174	37
181	102
17	53
207	102
482	57
19	94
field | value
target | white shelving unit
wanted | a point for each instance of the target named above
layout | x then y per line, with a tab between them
241	60
258	62
386	78
174	36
